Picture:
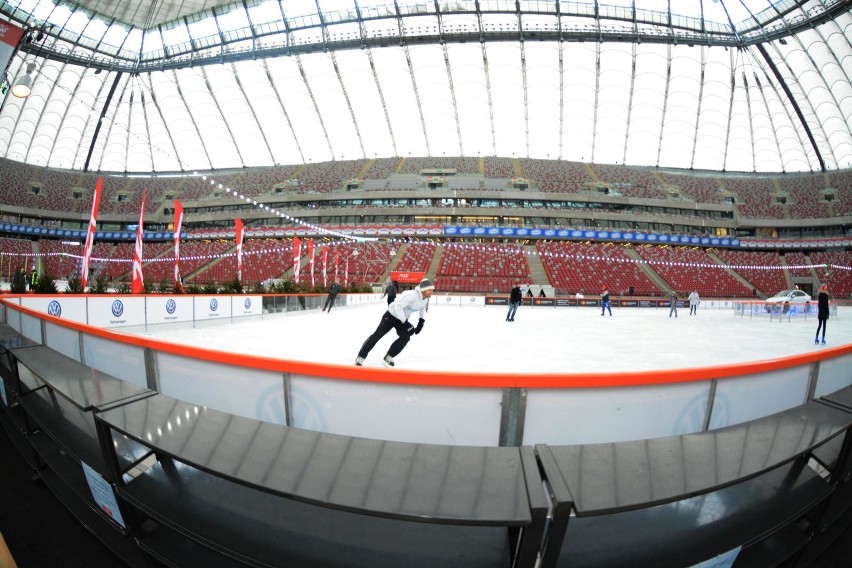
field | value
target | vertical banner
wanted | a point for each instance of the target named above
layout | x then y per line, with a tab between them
324	266
297	257
346	274
240	232
311	262
90	236
178	223
10	37
137	285
336	263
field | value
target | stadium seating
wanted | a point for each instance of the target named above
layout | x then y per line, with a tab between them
585	268
767	281
686	269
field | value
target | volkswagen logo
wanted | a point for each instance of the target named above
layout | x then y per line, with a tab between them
214	305
171	306
117	308
54	308
247	304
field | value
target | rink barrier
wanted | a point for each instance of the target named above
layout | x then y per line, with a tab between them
487	409
163	475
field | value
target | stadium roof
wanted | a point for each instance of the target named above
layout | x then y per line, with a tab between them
165	86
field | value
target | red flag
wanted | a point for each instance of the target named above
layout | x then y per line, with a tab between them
239	236
324	266
297	256
90	236
178	223
311	261
137	285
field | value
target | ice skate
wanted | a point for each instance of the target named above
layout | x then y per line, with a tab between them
359	361
823	341
387	361
816	341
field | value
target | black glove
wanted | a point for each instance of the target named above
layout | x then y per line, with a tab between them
419	327
409	329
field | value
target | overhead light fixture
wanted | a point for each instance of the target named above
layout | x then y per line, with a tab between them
24	86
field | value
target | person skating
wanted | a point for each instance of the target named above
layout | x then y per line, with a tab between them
396	317
822	313
390	292
514	301
605	305
673	301
333	291
694	300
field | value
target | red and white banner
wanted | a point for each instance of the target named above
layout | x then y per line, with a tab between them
336	263
137	285
240	233
346	273
10	37
297	257
178	223
311	262
90	236
324	266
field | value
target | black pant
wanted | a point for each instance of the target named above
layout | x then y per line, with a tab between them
822	324
391	299
388	323
329	302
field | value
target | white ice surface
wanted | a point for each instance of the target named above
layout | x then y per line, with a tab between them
540	340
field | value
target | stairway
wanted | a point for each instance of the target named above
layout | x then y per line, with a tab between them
436	262
646	268
538	275
736	275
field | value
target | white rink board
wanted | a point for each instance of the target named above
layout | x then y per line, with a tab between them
235	390
70	308
63	340
592	416
749	397
116	311
122	361
402	413
834	374
212	307
168	309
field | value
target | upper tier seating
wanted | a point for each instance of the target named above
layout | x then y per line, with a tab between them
755	197
630	182
557	176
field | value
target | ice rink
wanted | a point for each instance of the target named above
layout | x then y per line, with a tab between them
540	340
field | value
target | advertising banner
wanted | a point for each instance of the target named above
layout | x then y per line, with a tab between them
116	312
212	307
70	308
168	309
10	36
246	306
496	301
407	277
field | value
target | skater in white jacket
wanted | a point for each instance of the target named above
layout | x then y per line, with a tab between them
396	318
694	300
